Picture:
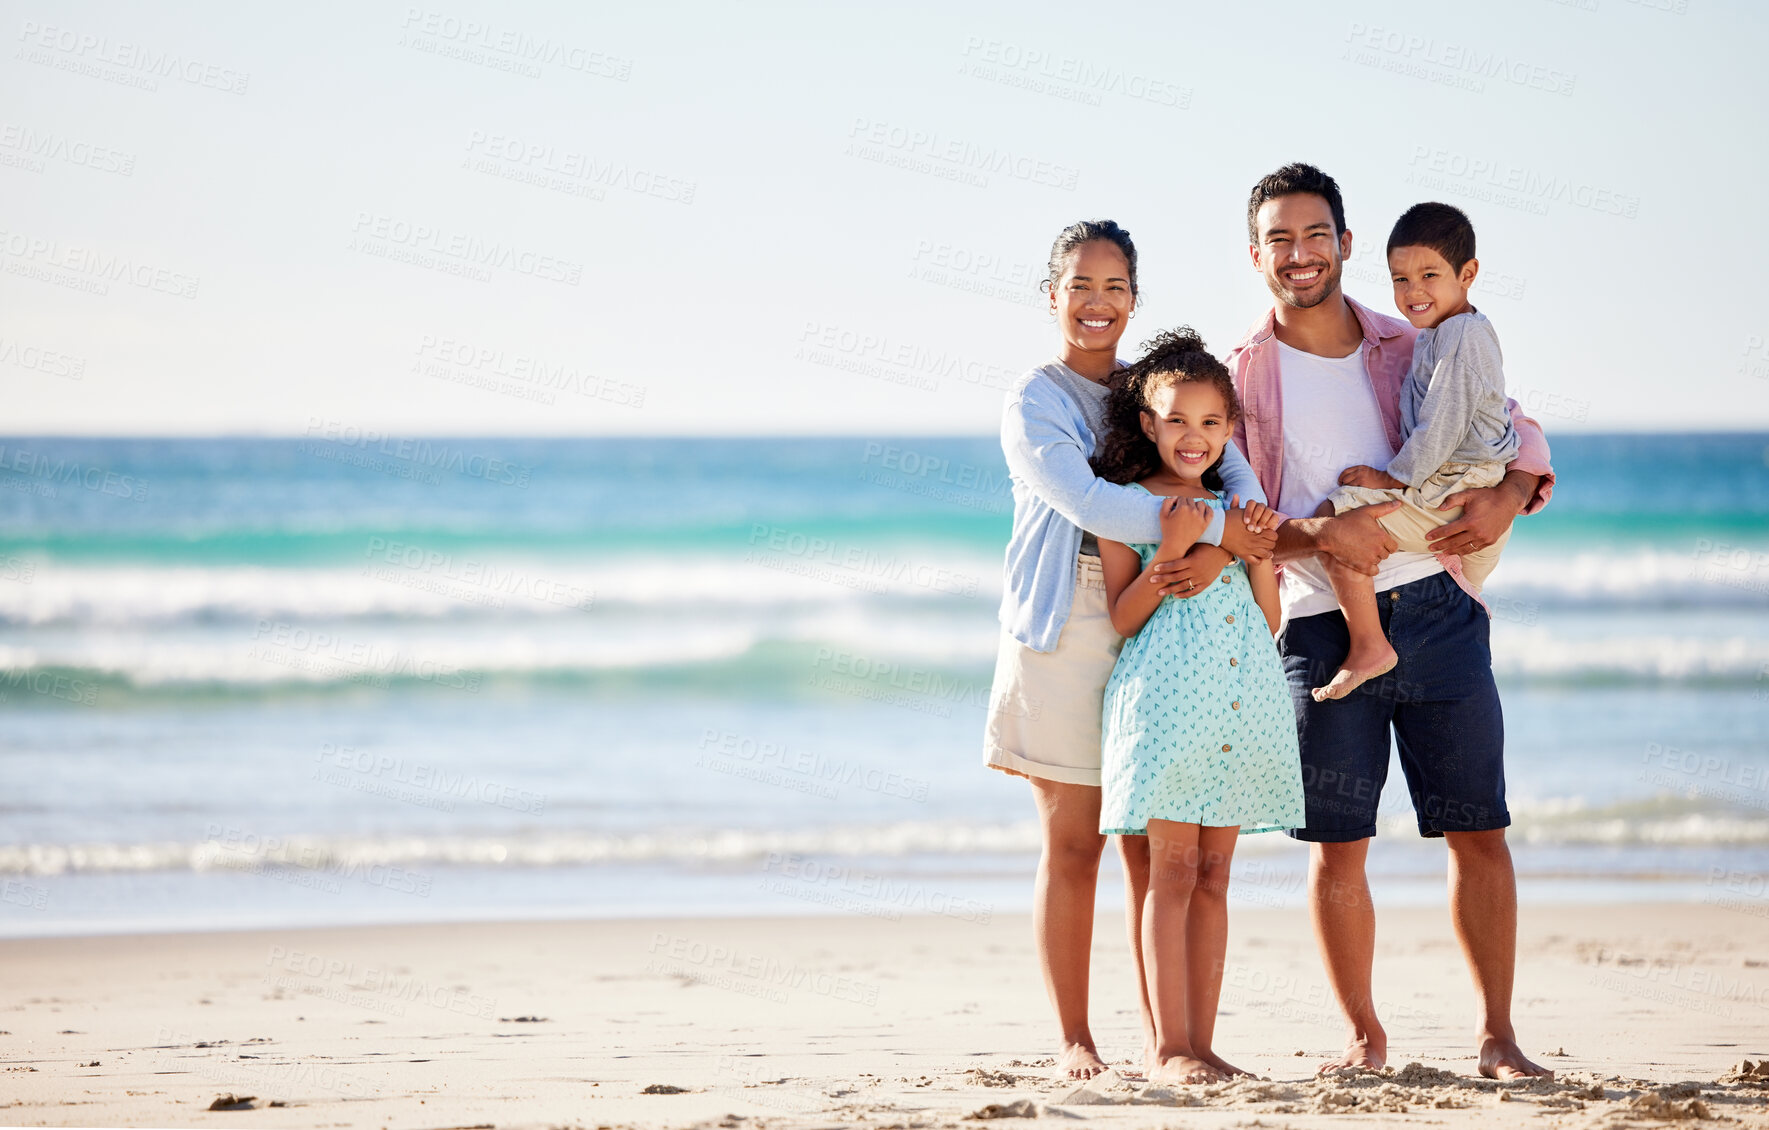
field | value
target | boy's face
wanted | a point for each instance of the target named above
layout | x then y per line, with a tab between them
1425	288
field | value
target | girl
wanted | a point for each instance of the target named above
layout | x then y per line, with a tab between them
1057	641
1198	734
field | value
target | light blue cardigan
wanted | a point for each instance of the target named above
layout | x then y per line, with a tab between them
1056	495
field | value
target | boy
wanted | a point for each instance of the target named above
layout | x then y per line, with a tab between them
1455	428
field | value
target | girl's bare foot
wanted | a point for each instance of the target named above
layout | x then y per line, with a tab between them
1150	1060
1184	1069
1229	1070
1080	1061
1366	1052
1362	665
1503	1059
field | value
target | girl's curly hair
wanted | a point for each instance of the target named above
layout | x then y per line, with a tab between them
1179	356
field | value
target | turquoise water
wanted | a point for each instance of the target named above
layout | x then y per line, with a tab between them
369	679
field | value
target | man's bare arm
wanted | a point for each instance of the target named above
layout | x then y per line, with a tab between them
1354	538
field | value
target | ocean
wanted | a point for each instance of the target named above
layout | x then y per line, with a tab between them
352	678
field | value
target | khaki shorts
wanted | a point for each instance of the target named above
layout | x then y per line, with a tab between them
1418	519
1045	707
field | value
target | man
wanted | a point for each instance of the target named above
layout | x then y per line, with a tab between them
1319	380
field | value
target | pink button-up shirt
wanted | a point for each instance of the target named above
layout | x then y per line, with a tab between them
1388	354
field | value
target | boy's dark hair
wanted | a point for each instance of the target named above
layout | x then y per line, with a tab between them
1288	181
1086	231
1442	227
1178	356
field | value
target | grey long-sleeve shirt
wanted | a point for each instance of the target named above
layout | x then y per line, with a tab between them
1452	406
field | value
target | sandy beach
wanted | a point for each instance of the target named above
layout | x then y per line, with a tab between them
1644	1011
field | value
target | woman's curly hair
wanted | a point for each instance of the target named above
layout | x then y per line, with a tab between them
1179	356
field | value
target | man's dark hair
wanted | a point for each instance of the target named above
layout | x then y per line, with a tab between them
1442	227
1288	181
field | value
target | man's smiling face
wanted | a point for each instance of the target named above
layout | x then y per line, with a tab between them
1299	251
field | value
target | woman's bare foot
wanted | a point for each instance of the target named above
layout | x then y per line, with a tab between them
1362	665
1080	1061
1503	1059
1364	1052
1185	1069
1229	1070
1149	1060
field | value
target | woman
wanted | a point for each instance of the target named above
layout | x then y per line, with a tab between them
1057	644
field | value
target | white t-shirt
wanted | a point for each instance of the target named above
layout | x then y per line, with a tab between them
1331	422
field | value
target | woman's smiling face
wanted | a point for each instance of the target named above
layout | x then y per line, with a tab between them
1092	301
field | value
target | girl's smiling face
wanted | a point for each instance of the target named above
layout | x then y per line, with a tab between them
1092	300
1190	424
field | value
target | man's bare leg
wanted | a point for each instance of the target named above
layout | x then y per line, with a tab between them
1370	654
1062	913
1134	852
1483	906
1345	931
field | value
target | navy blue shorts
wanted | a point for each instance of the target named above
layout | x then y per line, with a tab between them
1440	699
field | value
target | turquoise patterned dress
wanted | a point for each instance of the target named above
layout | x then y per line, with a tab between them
1198	725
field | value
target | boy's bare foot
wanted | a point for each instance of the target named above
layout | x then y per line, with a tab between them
1185	1069
1080	1061
1503	1059
1359	667
1366	1052
1229	1070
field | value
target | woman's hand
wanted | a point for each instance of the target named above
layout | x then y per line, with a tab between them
1190	575
1371	477
1182	521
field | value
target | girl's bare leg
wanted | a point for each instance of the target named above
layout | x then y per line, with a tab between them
1207	942
1134	851
1173	876
1062	913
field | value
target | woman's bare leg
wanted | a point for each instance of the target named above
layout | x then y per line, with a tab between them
1062	912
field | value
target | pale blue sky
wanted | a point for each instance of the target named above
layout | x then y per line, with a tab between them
805	286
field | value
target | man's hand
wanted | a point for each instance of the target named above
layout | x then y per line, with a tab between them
1182	521
1487	512
1190	575
1371	477
1356	540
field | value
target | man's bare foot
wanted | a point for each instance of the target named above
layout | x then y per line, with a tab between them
1368	1053
1503	1059
1080	1061
1185	1069
1362	665
1229	1070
